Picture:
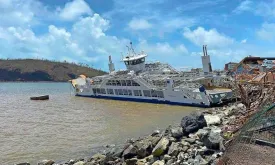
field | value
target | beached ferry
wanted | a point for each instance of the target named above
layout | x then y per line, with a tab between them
154	83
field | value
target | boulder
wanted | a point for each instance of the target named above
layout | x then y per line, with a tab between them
158	162
98	158
213	140
155	133
79	163
46	162
212	120
190	140
129	152
114	153
193	122
150	159
200	161
241	106
174	149
161	147
23	164
141	162
176	132
202	132
166	157
170	162
181	156
132	161
145	146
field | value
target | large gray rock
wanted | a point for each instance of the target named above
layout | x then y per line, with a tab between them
200	161
132	161
145	146
158	162
46	162
213	140
113	153
80	163
176	132
202	132
129	152
193	122
212	120
174	149
98	158
161	147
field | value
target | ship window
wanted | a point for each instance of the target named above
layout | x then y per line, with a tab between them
116	91
135	83
94	90
109	82
125	92
123	82
118	83
143	60
146	93
137	93
102	91
154	93
113	82
128	83
126	62
110	91
97	90
120	92
129	92
160	94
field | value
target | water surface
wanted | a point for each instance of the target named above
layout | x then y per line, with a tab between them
67	127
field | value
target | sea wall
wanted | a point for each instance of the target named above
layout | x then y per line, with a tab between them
198	139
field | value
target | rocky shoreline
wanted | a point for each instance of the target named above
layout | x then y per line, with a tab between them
198	140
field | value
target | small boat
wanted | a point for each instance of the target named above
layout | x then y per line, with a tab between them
45	97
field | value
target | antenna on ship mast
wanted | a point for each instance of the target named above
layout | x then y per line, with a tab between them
132	48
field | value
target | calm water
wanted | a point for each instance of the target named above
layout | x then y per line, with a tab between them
66	126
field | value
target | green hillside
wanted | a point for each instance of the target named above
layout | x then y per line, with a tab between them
42	70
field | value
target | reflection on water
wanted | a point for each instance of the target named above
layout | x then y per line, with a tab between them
66	126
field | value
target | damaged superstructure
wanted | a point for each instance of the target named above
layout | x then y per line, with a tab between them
156	83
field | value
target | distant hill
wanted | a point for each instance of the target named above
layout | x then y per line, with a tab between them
43	70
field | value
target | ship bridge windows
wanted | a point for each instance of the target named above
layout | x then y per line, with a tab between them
135	62
122	83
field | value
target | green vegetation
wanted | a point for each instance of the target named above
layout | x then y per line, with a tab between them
43	70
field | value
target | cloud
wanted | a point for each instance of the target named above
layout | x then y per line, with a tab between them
75	9
265	8
85	42
243	6
139	24
260	8
243	41
21	13
162	49
267	31
212	38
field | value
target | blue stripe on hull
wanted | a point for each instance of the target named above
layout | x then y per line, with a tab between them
155	101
